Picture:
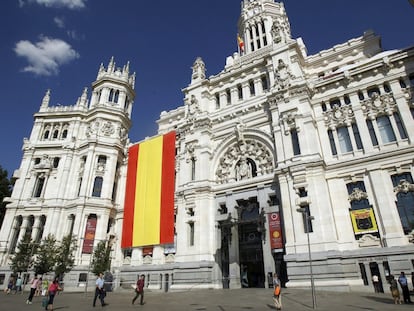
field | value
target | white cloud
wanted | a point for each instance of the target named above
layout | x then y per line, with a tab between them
71	4
46	56
59	21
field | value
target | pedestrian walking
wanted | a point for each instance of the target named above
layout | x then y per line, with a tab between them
45	286
33	286
375	281
394	290
99	290
402	280
277	293
139	290
52	290
19	283
39	287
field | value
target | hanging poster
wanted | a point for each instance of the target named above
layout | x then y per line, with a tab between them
275	231
363	221
89	236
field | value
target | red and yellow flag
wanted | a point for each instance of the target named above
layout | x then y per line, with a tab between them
240	42
149	194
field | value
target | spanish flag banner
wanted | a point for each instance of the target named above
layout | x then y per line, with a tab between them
149	194
240	43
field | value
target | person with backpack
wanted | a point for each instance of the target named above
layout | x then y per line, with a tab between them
277	297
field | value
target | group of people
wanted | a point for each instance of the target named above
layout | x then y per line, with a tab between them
38	287
100	291
402	280
14	286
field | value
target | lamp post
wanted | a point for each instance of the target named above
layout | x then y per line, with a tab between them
308	218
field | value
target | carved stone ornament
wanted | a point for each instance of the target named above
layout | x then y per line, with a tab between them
357	195
199	70
147	259
338	116
108	128
193	108
283	76
368	240
379	104
288	121
404	187
232	168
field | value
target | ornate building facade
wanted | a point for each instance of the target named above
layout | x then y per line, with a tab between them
279	153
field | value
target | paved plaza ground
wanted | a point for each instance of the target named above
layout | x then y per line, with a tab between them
258	299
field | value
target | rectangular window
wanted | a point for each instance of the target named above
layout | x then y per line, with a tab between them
265	84
83	277
400	126
332	142
371	131
307	220
295	142
385	129
191	233
252	90
97	187
228	97
2	277
240	92
358	140
40	182
193	168
344	140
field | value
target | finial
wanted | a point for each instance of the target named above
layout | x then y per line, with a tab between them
46	99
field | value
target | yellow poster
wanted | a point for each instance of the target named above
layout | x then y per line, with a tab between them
363	221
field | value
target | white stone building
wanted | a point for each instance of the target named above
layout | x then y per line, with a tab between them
276	131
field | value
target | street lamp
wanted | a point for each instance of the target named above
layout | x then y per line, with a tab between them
308	218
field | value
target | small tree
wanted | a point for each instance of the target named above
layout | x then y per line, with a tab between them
65	258
46	255
22	260
101	258
5	191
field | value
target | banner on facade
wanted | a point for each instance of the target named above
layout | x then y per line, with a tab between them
149	194
89	237
363	221
275	231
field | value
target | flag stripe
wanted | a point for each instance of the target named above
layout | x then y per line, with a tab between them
130	197
168	189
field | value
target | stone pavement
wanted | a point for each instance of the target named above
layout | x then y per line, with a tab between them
257	299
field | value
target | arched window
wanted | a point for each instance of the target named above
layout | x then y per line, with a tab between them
111	95
217	97
55	133
97	187
46	134
65	133
116	96
240	91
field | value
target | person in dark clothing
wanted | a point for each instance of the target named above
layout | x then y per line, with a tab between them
402	280
139	290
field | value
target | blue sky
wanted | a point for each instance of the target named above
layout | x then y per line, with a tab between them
59	45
